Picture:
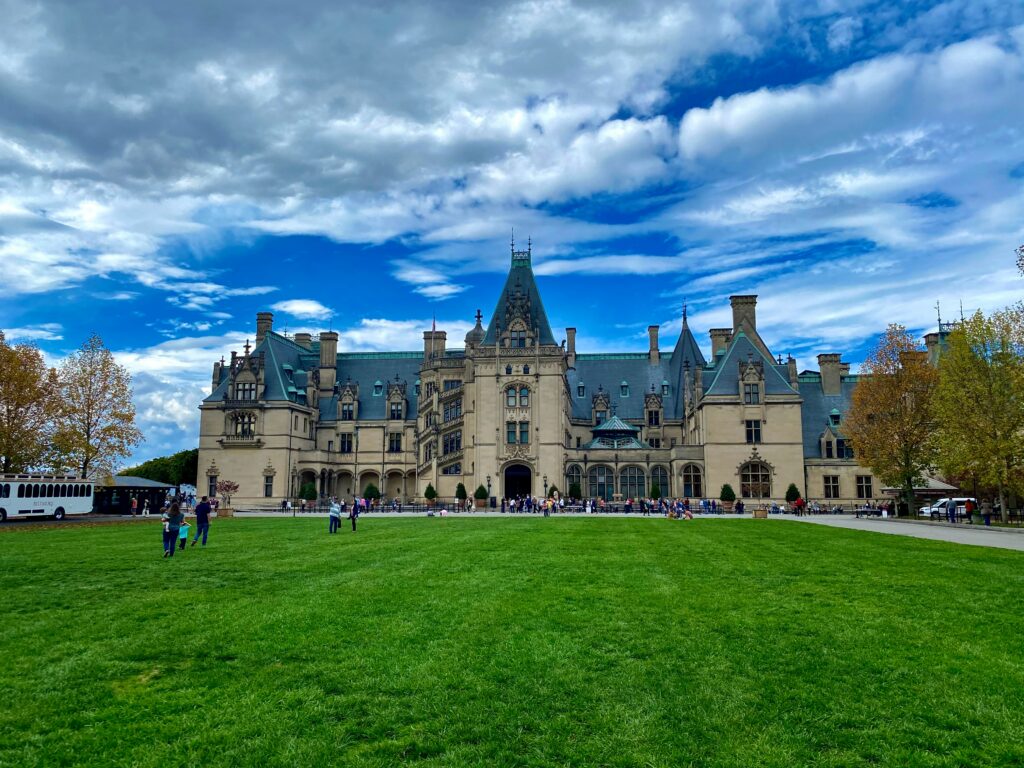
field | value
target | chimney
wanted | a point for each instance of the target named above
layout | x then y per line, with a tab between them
570	346
831	372
720	338
794	376
744	310
933	343
328	360
433	344
304	340
652	348
264	324
216	376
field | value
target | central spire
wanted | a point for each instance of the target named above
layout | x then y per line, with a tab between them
519	309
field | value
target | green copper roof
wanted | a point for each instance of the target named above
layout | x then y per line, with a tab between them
614	424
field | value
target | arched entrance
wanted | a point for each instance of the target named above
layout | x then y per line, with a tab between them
518	480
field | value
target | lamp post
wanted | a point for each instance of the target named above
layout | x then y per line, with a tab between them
545	486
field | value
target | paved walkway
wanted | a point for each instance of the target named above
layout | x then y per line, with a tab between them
979	536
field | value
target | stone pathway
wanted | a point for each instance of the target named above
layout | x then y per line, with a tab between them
978	536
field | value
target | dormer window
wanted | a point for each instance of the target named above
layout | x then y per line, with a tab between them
245	391
624	389
664	389
347	411
834	419
751	394
378	388
396	410
517	339
581	390
600	416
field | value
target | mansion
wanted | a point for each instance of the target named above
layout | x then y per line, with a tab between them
517	411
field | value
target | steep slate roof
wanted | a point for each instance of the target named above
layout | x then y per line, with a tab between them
724	377
520	280
818	406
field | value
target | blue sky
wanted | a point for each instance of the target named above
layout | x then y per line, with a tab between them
168	170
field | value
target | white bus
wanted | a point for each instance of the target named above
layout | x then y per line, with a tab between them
44	496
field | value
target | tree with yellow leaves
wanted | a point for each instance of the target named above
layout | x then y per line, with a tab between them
979	404
28	401
96	426
890	421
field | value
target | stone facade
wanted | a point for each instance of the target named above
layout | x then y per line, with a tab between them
516	411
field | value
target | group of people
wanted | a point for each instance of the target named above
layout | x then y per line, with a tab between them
336	509
176	528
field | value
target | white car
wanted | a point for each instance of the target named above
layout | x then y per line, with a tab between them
941	507
935	508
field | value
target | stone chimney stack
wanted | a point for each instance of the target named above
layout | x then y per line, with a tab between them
720	338
216	376
744	310
652	336
831	374
794	375
264	324
304	340
433	344
933	343
328	361
570	346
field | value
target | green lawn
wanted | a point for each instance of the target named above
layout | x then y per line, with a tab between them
499	642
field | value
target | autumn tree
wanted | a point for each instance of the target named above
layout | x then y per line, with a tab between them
890	421
226	489
96	426
979	403
28	399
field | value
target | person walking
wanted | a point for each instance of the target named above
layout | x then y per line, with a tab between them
353	515
135	506
172	525
203	510
334	517
986	511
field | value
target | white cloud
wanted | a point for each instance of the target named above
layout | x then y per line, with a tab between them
41	332
304	309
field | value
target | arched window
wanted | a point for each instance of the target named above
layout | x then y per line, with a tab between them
526	369
245	425
755	481
510	397
632	483
600	482
508	370
693	483
524	396
573	475
659	477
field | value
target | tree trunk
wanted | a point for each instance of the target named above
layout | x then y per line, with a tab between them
1004	513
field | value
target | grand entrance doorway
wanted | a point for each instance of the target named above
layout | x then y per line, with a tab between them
518	481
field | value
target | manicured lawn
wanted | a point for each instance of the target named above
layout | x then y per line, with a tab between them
508	642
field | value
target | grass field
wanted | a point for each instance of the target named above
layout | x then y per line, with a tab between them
579	642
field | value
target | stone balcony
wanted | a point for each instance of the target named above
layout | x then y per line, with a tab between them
241	441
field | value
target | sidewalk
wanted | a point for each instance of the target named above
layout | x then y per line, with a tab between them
974	535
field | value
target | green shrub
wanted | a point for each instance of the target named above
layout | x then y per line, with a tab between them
655	491
480	493
430	494
460	492
727	494
575	492
308	492
792	493
371	491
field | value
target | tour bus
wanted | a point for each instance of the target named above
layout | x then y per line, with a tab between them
54	496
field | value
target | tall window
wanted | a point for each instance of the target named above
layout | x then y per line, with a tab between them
664	389
245	391
580	390
573	475
654	441
831	486
753	431
211	488
524	432
843	449
396	410
245	425
524	396
517	339
632	483
268	486
653	418
510	397
452	469
659	477
600	484
829	452
600	416
864	489
510	432
347	411
693	482
755	481
395	442
751	394
452	442
345	442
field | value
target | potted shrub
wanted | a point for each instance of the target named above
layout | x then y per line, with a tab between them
461	496
727	497
480	495
655	491
553	492
430	494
